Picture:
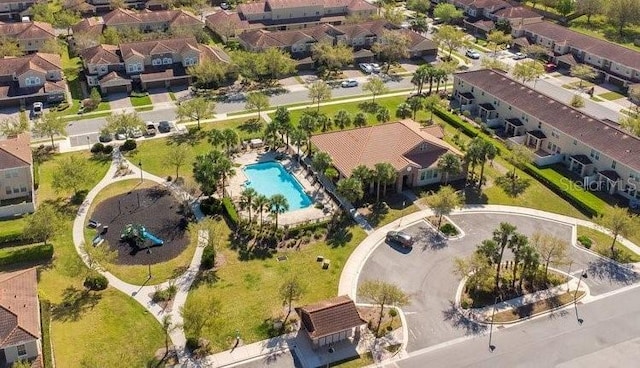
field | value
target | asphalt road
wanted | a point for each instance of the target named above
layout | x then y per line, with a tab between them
607	337
426	273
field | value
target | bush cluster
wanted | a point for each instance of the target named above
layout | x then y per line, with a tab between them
448	229
208	257
230	211
585	241
128	145
96	282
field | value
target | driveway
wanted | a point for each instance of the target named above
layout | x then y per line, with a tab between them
426	272
120	101
159	96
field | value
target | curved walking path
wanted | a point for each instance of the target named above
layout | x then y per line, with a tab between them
348	283
141	293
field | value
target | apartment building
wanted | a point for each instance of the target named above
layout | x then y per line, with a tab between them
30	78
30	36
604	156
16	176
12	9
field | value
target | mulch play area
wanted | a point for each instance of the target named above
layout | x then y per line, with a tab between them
155	217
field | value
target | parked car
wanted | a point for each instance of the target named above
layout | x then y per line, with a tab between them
401	238
349	83
135	132
105	137
550	67
473	54
225	6
121	135
238	96
37	109
164	127
366	68
518	56
375	68
151	129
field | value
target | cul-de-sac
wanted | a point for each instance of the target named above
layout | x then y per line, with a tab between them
319	183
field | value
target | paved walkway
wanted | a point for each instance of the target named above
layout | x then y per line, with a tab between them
143	294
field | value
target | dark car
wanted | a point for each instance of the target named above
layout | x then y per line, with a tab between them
151	129
401	238
164	126
105	137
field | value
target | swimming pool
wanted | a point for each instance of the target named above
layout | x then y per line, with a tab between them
269	178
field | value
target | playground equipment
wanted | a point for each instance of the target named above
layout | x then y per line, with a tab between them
139	234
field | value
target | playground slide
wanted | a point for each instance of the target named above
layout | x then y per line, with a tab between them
153	238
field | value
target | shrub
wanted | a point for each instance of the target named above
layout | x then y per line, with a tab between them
211	206
169	178
585	241
164	295
208	257
107	150
393	313
31	253
97	148
62	106
448	229
230	210
128	145
96	282
12	237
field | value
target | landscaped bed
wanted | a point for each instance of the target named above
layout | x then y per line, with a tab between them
601	243
537	307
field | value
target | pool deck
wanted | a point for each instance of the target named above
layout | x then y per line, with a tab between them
315	192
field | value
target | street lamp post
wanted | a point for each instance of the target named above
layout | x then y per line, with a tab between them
140	166
575	294
89	142
149	264
493	313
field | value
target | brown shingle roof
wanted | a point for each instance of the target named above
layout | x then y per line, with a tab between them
19	314
218	20
392	143
101	54
595	133
92	25
418	42
175	18
214	53
177	45
330	316
357	5
38	61
516	12
27	30
603	49
15	151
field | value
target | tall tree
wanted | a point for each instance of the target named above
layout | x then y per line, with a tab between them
527	71
308	123
502	236
212	74
260	203
415	103
516	244
420	6
620	13
530	263
298	137
536	51
211	170
449	165
50	125
258	101
319	91
583	72
421	76
278	204
9	48
342	119
448	13
498	39
383	294
196	109
331	58
350	189
443	202
230	139
487	153
364	174
375	86
618	221
431	103
590	8
72	174
565	7
123	122
552	250
282	118
391	47
278	63
246	199
43	224
497	64
393	14
383	173
11	127
178	156
290	291
321	161
449	38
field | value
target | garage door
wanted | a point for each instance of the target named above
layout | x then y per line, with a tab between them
117	89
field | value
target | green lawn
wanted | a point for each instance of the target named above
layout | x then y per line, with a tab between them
602	245
10	226
137	101
73	82
612	95
102	329
599	28
138	274
248	290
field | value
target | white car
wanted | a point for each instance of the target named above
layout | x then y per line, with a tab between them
349	83
37	109
366	68
375	68
518	56
473	54
135	132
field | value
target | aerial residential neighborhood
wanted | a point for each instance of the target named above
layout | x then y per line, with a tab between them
306	183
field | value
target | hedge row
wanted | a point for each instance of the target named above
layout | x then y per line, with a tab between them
230	210
12	237
45	319
586	202
310	226
32	253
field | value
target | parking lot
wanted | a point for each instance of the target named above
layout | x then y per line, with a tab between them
426	272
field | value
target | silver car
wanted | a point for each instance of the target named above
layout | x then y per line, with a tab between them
400	237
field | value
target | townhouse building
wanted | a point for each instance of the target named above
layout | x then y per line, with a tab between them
12	9
30	78
617	64
286	15
16	176
145	65
605	157
30	36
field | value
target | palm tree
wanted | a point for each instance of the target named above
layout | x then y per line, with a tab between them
224	167
440	76
298	137
502	236
415	103
473	155
421	76
278	204
260	202
487	153
246	199
230	139
350	189
516	244
324	121
382	173
449	164
308	123
342	119
321	161
271	134
283	122
360	120
215	137
430	103
362	173
383	115
403	111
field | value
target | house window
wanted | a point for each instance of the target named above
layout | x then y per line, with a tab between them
156	62
539	125
595	154
7	190
189	61
32	81
16	190
22	350
613	164
167	61
23	189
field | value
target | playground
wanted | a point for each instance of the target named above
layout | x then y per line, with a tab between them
145	226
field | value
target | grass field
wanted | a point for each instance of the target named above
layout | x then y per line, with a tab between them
612	95
599	28
137	101
602	245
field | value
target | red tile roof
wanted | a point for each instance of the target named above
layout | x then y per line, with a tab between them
19	312
516	12
175	18
330	316
101	54
146	48
605	138
38	61
393	143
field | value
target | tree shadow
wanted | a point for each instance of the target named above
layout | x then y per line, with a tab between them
369	107
430	239
192	137
75	302
462	322
612	271
205	277
253	125
339	237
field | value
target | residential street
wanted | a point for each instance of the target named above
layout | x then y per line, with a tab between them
607	337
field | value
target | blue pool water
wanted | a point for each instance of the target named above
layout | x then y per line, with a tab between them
269	178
